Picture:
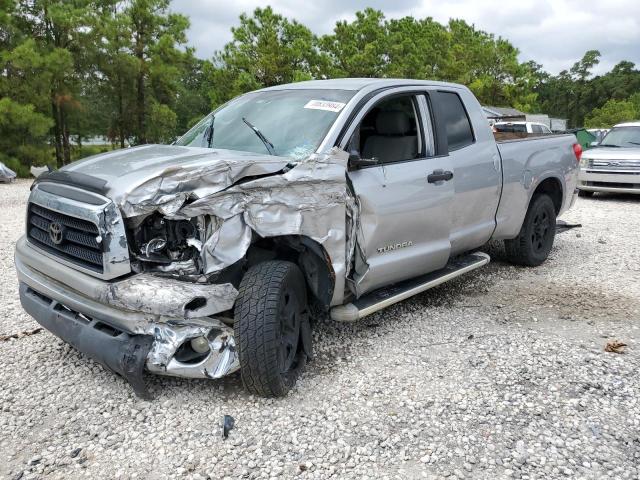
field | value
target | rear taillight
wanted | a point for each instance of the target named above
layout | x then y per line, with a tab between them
577	151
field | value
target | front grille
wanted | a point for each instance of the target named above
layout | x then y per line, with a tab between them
77	239
614	165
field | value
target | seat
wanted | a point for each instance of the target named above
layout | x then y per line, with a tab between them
391	142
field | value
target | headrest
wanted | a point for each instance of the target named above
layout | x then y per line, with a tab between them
392	122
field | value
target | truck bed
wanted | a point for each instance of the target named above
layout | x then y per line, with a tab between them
527	161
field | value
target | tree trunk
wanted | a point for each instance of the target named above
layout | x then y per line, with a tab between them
66	147
55	112
139	51
142	137
120	113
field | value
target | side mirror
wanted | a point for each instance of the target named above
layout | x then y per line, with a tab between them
356	161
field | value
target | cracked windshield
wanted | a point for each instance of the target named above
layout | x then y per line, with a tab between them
287	123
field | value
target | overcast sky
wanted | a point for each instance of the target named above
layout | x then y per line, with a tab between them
555	33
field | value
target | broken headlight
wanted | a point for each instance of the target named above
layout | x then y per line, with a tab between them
165	245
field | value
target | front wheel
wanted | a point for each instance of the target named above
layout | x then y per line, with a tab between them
269	314
534	242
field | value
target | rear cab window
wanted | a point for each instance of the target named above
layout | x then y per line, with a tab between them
452	112
511	128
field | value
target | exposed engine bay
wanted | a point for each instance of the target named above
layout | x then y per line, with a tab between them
163	245
238	216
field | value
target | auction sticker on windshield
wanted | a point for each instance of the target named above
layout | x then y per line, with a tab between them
325	105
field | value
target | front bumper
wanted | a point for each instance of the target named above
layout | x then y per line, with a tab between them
615	182
126	331
119	351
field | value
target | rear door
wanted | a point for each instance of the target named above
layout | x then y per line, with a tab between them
476	167
404	213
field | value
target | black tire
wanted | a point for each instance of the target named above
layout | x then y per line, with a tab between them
585	193
534	242
271	307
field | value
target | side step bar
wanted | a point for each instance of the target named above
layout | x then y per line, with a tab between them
385	297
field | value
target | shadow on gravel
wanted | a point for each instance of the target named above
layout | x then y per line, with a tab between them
613	197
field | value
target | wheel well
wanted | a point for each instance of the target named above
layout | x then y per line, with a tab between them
308	254
553	188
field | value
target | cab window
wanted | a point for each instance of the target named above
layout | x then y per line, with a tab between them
457	123
390	131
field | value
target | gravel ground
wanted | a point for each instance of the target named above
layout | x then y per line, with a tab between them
499	374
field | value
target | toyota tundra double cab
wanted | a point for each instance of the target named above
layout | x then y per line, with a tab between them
216	254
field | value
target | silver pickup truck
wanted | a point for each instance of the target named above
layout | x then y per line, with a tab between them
340	197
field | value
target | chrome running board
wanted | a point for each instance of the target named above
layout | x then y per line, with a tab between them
385	297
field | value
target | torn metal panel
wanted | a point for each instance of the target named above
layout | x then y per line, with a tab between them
221	360
310	199
352	227
168	297
167	190
226	245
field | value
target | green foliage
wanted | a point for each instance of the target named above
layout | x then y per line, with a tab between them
359	48
23	132
612	112
155	35
573	94
371	46
267	49
162	123
635	100
22	119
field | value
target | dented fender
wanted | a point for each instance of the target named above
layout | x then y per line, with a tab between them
266	199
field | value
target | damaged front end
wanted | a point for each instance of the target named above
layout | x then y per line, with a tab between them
209	236
192	230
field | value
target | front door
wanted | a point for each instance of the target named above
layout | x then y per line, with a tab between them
405	199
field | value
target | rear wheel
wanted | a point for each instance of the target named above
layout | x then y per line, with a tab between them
269	314
534	242
585	193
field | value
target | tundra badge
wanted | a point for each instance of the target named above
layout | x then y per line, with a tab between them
397	246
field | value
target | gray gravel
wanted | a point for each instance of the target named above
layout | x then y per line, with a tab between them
501	374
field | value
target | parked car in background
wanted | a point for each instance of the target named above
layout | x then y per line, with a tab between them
521	127
614	164
337	197
6	174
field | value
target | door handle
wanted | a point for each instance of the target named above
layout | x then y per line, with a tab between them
439	175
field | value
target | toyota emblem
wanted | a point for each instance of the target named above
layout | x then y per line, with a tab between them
56	233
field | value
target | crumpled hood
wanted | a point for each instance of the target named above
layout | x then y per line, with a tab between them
612	153
237	194
150	167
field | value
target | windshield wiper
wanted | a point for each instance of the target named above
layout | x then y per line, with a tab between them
268	145
210	132
634	143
